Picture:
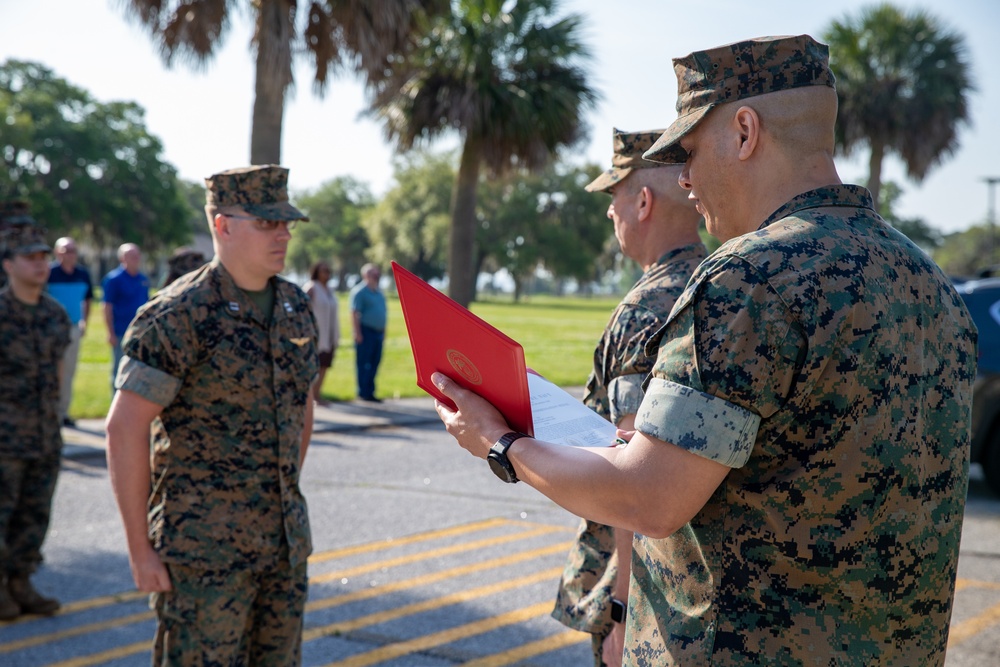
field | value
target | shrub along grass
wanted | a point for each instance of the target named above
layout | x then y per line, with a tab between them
558	335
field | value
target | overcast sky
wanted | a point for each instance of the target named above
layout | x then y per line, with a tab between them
202	116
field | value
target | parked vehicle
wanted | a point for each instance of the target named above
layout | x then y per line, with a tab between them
982	297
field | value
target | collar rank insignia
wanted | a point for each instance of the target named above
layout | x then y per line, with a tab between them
233	306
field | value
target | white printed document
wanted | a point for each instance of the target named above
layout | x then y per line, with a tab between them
560	418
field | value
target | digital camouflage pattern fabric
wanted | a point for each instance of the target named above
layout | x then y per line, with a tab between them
706	79
614	390
834	538
24	239
260	190
205	616
32	341
628	150
226	447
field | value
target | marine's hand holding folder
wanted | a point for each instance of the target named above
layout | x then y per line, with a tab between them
447	338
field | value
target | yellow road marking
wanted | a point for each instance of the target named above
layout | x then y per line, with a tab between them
434	553
962	584
531	649
427	605
38	640
966	629
104	656
423	580
412	539
399	649
86	605
129	596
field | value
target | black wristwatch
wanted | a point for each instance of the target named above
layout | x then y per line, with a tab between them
497	458
618	609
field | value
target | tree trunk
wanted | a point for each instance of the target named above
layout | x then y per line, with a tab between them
462	239
875	172
273	38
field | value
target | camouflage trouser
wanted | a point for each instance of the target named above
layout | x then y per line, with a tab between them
26	488
235	616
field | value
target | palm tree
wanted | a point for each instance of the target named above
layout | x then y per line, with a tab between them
364	36
507	82
903	82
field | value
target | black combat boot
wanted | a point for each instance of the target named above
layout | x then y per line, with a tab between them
9	609
30	600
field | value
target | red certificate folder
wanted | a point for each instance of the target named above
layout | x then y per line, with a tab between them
448	338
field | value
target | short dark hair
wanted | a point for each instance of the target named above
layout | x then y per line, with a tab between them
314	271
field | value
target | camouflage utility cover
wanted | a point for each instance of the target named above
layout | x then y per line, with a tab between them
614	390
260	190
845	361
628	150
234	385
32	342
706	79
24	239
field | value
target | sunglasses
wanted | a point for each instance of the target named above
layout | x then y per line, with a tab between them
267	225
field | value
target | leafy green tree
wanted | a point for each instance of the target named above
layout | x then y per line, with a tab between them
90	169
544	220
967	253
410	224
903	82
506	77
334	233
362	36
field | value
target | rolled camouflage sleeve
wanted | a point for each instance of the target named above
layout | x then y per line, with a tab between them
628	365
157	352
625	395
146	381
726	362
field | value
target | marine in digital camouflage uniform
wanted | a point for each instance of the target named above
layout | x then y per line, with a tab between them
13	213
664	241
798	477
221	363
840	397
34	332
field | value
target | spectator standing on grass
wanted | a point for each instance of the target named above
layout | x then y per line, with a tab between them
324	307
368	318
69	284
125	290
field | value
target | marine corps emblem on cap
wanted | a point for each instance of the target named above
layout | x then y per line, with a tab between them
261	190
15	212
628	150
706	79
24	239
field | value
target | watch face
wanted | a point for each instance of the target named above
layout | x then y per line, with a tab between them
618	611
499	469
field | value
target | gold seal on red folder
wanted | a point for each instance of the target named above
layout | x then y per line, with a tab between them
464	367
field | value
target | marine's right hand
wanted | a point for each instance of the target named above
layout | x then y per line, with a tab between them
149	572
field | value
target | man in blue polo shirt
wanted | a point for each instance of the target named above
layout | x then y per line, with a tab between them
125	290
69	284
368	315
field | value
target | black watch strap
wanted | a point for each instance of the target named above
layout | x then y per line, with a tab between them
497	457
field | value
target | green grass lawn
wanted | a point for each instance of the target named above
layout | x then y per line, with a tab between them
558	335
